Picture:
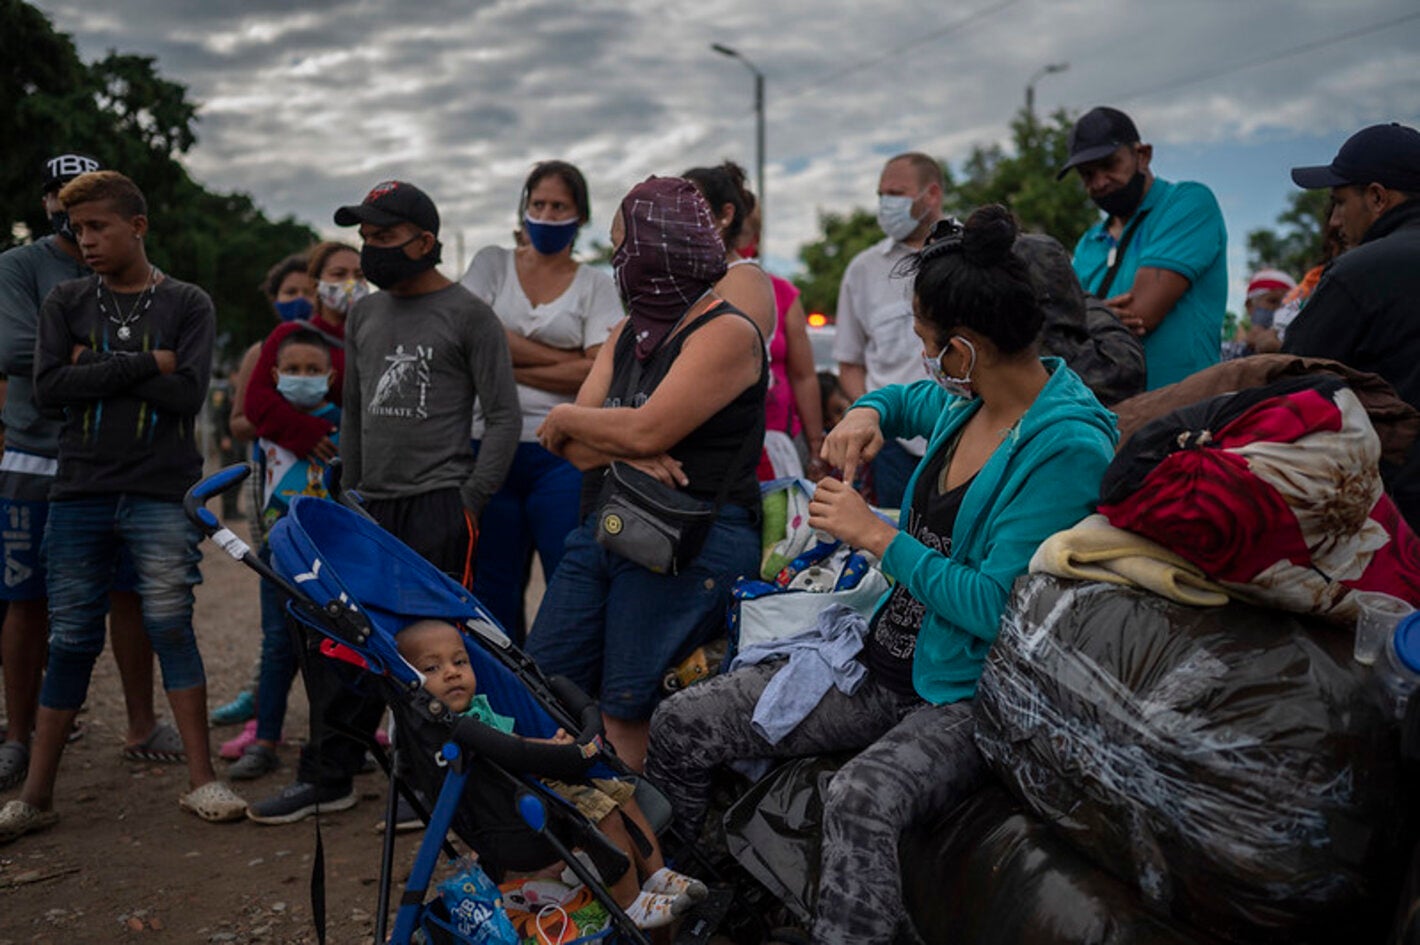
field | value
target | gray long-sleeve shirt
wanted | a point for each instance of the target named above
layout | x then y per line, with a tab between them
413	368
27	275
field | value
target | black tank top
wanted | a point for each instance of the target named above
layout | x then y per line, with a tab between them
708	451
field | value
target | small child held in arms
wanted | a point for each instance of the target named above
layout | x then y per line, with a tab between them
302	374
436	649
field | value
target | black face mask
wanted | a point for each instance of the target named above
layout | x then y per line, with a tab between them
1124	201
388	266
59	223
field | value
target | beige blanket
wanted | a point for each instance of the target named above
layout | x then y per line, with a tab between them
1095	550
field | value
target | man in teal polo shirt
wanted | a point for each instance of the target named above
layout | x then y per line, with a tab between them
1159	258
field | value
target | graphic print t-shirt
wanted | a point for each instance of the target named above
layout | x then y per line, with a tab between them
892	635
413	367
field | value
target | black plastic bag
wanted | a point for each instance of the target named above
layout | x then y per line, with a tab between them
774	830
987	873
1233	763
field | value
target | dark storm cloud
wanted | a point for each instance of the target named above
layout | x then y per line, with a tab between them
306	105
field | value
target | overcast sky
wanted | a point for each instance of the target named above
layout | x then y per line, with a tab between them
305	106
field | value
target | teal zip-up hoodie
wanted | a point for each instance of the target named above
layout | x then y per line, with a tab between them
1043	478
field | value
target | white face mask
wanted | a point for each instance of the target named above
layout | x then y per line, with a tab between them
958	386
895	216
342	296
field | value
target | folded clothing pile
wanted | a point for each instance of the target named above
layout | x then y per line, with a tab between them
1274	492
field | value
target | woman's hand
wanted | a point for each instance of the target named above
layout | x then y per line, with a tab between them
840	511
856	440
553	433
665	468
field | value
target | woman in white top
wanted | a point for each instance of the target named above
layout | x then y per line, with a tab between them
557	313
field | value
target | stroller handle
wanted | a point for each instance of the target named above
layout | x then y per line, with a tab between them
219	482
565	762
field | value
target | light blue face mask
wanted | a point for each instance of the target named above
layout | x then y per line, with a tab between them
303	390
895	216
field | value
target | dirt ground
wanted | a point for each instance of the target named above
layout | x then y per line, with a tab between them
126	864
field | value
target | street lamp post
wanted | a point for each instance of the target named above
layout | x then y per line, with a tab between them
758	131
1041	73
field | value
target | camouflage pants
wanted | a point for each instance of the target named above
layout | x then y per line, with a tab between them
915	759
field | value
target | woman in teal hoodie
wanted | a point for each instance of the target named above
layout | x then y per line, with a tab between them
1017	448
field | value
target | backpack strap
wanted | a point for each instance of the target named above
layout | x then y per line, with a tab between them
1116	255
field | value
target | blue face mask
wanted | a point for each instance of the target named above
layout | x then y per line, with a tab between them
303	391
1262	317
293	310
551	238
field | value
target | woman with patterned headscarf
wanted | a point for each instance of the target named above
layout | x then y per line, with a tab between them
677	391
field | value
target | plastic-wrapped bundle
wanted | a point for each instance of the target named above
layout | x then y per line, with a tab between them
988	873
1233	763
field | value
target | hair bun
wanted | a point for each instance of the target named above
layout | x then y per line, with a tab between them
989	235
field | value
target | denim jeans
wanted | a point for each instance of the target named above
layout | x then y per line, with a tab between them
535	509
278	660
83	541
614	627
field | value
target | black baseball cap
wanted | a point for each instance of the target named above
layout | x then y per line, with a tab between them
62	168
1388	155
1098	134
390	202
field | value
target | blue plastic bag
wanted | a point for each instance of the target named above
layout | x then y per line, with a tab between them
475	906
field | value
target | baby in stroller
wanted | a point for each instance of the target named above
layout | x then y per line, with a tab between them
436	649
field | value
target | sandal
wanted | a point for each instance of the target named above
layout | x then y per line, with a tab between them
18	818
214	802
163	746
14	763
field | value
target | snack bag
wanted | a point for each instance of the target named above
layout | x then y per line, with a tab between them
476	906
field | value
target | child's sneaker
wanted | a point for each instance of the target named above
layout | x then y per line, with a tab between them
654	911
667	882
256	761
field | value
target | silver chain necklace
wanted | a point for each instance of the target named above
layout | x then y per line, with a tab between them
139	309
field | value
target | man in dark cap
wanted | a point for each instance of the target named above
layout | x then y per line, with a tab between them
1159	258
417	355
27	470
1365	311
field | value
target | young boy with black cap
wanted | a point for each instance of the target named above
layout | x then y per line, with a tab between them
417	355
27	470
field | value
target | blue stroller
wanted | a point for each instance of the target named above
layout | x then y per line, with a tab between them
355	585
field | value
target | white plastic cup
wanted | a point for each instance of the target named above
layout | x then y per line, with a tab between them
1379	613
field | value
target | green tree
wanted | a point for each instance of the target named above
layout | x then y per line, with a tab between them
1024	179
845	235
1297	245
121	111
